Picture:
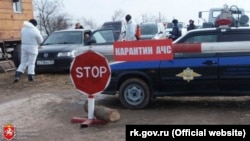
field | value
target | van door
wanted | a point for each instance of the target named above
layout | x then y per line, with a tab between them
194	73
234	71
100	41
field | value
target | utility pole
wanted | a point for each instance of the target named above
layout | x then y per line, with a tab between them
159	16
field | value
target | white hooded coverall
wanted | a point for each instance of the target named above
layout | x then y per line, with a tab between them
31	38
130	31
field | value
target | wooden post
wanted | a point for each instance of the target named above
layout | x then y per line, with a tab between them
104	113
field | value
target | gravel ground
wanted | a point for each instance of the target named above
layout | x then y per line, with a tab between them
42	110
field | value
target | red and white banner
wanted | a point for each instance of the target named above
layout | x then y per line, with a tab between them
163	49
143	50
216	47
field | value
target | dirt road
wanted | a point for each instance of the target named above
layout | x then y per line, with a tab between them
42	110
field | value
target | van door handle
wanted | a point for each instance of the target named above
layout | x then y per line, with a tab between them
209	62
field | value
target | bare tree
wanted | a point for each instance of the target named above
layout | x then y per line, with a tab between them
89	23
118	15
161	18
152	18
49	16
148	18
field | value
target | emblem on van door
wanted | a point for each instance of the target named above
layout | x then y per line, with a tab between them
45	55
188	74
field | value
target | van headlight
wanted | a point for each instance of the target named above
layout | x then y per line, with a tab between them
66	54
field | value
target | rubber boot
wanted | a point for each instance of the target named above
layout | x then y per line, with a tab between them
30	77
17	76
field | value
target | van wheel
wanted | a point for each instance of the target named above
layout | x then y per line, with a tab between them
134	93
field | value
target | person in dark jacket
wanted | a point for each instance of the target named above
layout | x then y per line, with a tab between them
191	25
78	26
175	30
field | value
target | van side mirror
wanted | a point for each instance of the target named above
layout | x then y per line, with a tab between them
200	14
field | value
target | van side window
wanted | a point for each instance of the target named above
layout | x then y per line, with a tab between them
119	28
235	37
201	39
102	37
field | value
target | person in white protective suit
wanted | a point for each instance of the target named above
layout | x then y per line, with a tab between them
131	28
31	39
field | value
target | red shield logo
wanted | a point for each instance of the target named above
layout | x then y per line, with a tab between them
9	132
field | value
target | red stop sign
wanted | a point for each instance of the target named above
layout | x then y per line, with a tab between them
90	73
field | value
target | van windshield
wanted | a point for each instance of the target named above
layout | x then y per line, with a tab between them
169	25
67	37
149	29
115	26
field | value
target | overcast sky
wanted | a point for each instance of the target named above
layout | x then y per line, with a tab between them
183	10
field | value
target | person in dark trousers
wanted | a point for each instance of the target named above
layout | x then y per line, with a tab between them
31	39
175	30
191	25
